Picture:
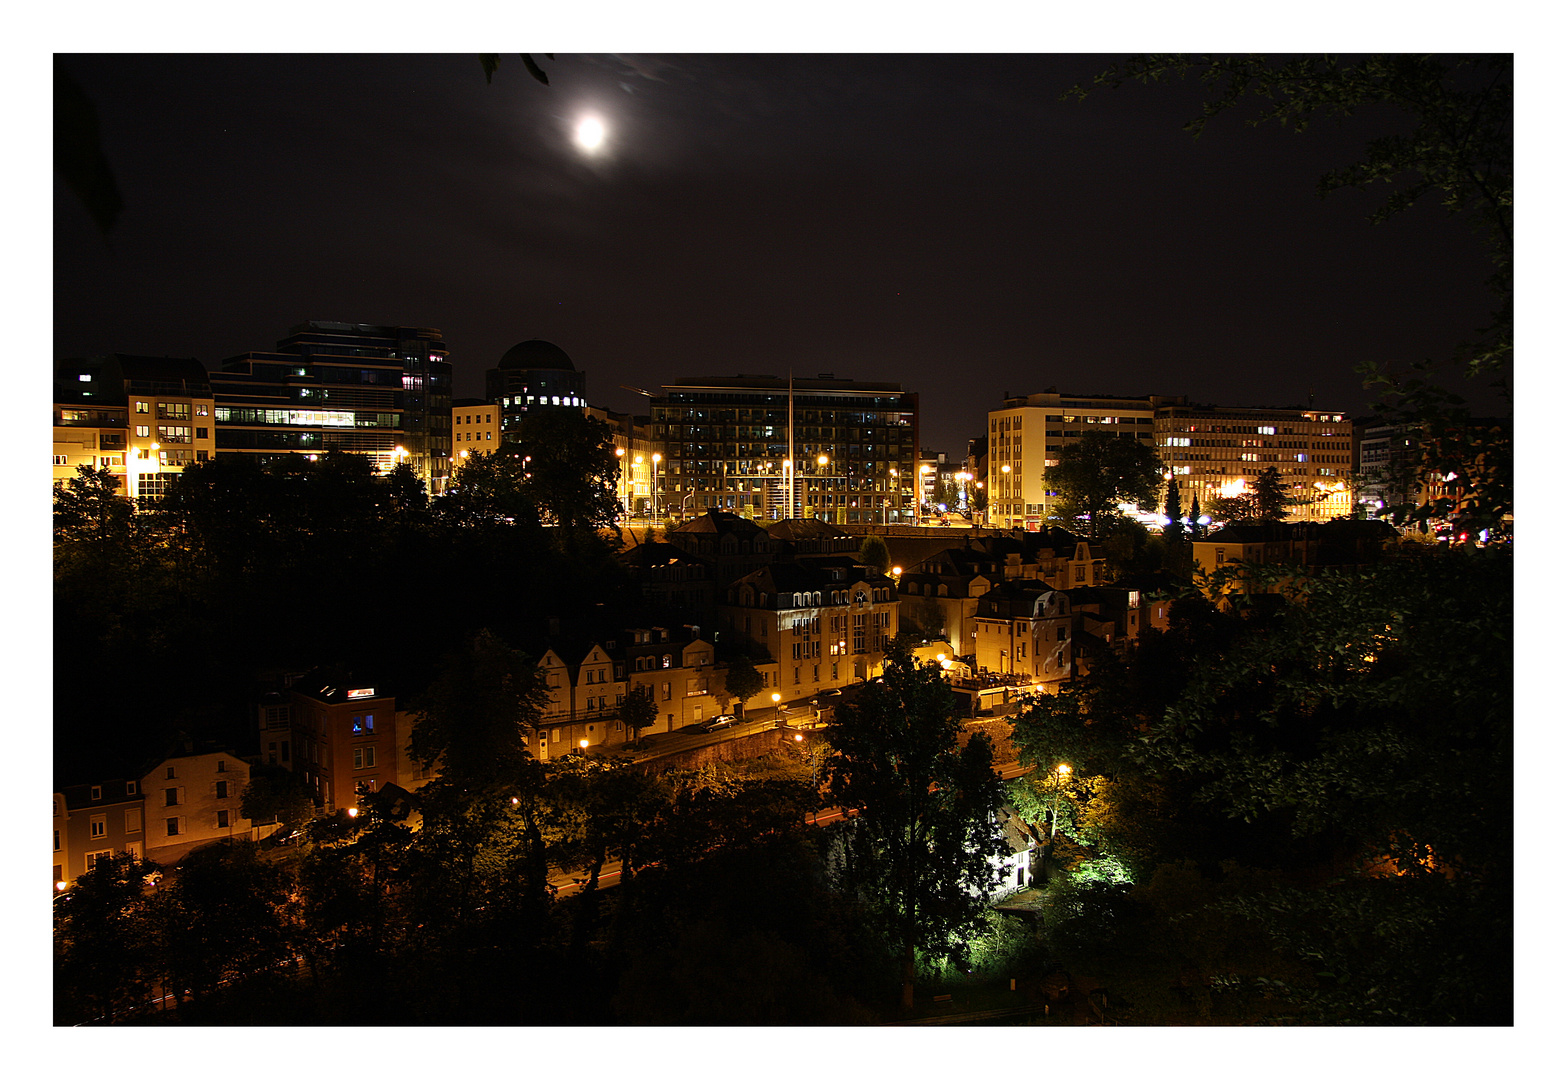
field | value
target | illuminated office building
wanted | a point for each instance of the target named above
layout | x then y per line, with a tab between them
770	448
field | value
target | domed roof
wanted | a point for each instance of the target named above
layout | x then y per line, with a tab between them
536	353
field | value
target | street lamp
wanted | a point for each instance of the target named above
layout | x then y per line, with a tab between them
777	708
656	459
620	465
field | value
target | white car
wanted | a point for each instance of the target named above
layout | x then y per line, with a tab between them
718	723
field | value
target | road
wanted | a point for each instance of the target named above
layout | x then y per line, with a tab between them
567	884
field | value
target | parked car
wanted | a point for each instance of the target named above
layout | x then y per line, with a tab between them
718	723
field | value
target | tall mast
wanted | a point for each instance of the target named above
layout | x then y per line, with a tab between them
789	464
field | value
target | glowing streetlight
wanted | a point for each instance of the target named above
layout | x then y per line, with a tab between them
656	459
582	744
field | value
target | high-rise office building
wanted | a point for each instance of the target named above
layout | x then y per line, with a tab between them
385	391
770	448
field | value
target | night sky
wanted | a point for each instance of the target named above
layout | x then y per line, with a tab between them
945	222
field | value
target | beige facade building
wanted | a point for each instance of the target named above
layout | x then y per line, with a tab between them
192	801
825	624
1026	436
1210	451
476	429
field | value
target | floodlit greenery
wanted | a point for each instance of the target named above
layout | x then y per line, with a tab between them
1298	771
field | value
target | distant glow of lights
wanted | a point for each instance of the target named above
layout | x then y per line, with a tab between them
590	133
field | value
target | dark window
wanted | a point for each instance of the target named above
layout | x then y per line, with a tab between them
171	796
222	791
223	819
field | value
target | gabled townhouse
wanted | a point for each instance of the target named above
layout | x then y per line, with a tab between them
586	687
677	668
192	800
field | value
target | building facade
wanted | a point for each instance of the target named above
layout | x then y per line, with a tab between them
346	740
476	428
825	623
768	448
193	799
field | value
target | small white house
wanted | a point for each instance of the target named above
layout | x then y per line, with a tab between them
1017	867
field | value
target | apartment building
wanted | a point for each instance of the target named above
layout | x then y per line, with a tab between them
1214	452
143	418
769	448
346	739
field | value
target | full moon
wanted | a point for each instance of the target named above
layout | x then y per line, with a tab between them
590	134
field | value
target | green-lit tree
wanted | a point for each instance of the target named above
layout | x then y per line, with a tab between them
1099	472
921	852
742	682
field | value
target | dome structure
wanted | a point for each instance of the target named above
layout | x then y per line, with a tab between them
535	354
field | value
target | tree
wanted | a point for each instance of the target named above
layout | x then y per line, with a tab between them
874	554
221	919
103	949
88	508
1097	473
476	717
1352	727
639	710
921	853
1269	495
277	794
742	681
570	469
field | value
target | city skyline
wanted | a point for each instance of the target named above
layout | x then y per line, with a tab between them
943	222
